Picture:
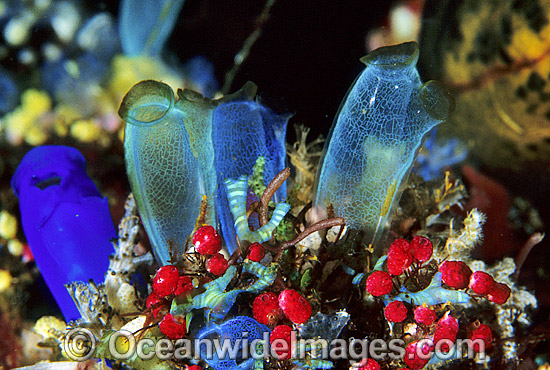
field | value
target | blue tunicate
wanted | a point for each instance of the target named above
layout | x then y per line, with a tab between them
242	131
375	137
10	92
237	334
144	26
200	72
63	77
99	36
65	219
437	156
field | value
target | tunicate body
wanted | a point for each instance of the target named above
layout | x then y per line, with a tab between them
61	78
239	333
65	219
375	137
169	161
200	72
144	26
10	92
243	131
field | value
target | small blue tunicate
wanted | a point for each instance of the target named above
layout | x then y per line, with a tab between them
144	26
237	335
65	219
435	156
199	71
63	77
375	137
99	36
10	92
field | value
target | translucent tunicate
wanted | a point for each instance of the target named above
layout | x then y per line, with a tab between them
144	26
374	139
243	131
169	160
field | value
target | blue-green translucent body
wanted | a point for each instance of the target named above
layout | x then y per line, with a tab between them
169	160
144	26
243	131
374	139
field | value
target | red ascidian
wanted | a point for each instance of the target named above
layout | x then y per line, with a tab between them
208	242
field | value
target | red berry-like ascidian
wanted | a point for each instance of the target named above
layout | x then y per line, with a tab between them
481	282
447	328
379	283
395	311
401	244
421	249
368	364
184	284
266	309
256	252
154	300
166	280
500	293
295	307
194	367
398	261
207	241
283	335
424	315
217	264
417	358
455	274
172	328
484	333
399	258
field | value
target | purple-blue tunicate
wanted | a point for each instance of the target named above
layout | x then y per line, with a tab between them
241	132
237	333
65	219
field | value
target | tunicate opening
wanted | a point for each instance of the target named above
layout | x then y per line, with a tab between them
394	56
147	102
437	100
51	181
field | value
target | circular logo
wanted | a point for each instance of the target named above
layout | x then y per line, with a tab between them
79	344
